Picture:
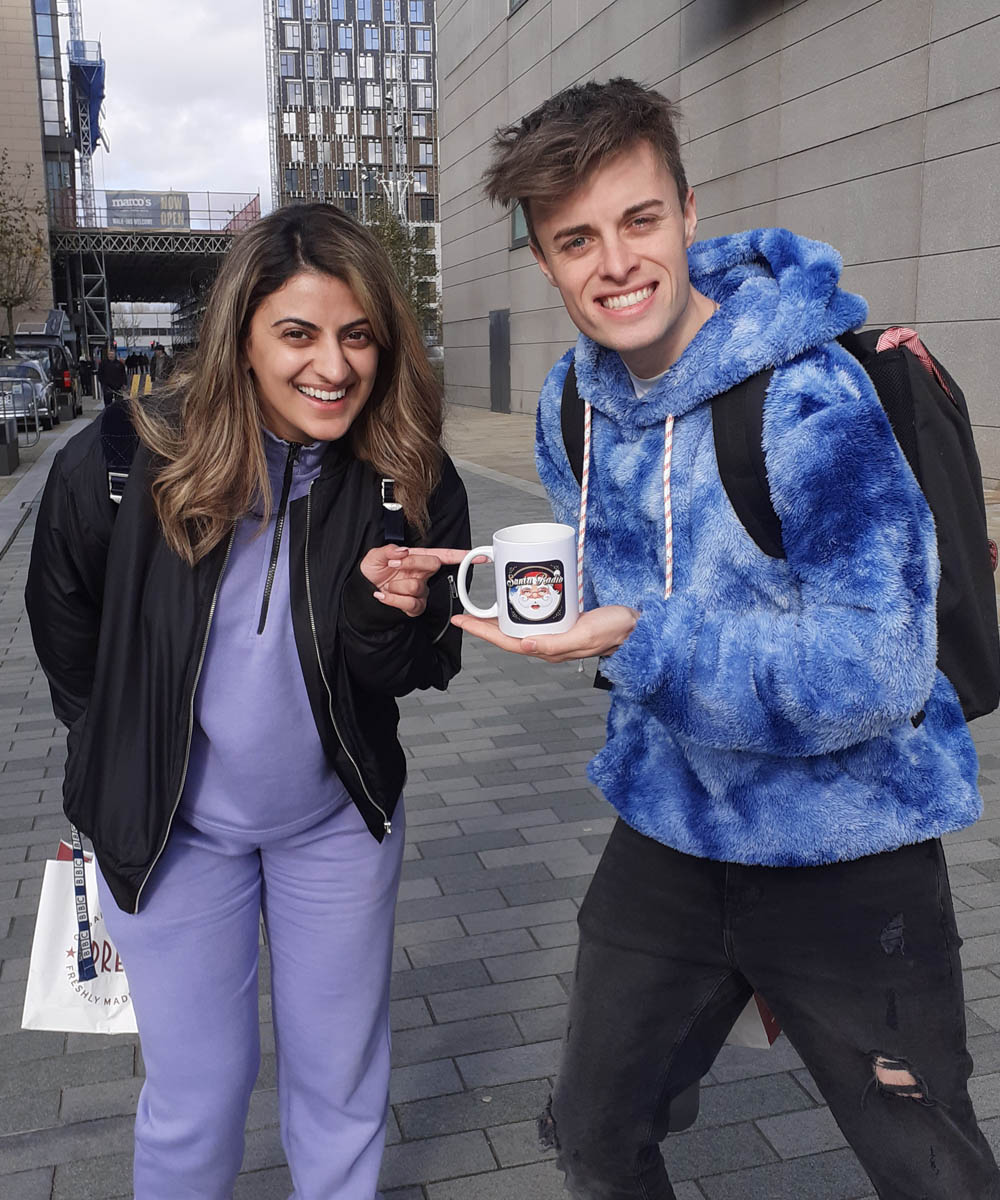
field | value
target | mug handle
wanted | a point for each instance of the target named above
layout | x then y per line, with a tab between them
463	591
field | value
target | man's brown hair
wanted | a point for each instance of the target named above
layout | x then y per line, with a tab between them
553	150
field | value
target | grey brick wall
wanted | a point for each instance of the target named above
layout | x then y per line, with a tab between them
872	125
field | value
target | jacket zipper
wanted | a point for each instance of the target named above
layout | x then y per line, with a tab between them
319	662
279	524
453	596
190	732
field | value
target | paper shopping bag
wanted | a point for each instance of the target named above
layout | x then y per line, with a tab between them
756	1026
56	998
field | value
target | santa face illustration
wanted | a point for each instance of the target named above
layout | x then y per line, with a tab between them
535	592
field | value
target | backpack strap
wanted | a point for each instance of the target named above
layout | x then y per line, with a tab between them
738	426
119	442
571	418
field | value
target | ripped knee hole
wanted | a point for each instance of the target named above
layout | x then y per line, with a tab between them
895	1077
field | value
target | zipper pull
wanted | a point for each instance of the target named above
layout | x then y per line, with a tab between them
279	522
388	826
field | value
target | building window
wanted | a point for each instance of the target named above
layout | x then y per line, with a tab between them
518	228
340	66
422	41
394	38
316	180
285	9
393	66
338	10
373	95
368	124
419	67
293	92
349	153
427	208
390	10
315	66
289	65
343	181
420	126
320	37
315	123
345	37
311	10
342	124
374	151
347	95
371	37
417	16
289	124
293	36
350	205
423	96
297	151
366	66
323	153
420	181
321	93
365	10
425	152
291	179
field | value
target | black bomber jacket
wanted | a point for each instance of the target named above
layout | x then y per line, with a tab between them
120	625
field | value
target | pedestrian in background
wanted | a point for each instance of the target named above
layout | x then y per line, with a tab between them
230	696
112	376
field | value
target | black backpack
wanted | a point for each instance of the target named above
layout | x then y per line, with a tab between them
930	419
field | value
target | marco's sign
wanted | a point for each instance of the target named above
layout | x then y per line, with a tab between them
149	210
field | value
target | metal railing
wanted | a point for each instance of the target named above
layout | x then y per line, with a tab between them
19	400
138	211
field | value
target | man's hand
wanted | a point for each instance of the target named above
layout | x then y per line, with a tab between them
400	574
598	632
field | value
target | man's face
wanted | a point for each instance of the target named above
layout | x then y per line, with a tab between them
616	249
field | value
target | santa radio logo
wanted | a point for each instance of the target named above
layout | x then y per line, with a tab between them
536	592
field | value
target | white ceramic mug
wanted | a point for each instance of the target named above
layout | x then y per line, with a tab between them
535	570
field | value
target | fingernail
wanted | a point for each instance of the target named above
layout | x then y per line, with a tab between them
395	562
530	645
379	595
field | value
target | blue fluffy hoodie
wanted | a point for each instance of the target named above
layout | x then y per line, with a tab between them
761	713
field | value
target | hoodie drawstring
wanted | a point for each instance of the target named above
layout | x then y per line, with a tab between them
668	519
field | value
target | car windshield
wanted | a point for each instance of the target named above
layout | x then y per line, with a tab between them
20	370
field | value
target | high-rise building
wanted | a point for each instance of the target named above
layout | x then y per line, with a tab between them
353	105
31	103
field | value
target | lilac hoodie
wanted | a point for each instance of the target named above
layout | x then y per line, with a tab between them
257	767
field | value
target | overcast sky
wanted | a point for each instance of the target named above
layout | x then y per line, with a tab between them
186	103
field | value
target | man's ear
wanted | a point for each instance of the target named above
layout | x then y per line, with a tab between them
542	264
690	218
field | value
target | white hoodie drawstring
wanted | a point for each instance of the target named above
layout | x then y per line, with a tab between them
668	520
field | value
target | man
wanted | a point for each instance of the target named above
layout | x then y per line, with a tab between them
112	376
782	750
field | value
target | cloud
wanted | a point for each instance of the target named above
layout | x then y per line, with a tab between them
186	103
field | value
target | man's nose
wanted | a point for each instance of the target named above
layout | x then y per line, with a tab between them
619	259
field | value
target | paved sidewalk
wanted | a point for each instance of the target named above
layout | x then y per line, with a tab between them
504	832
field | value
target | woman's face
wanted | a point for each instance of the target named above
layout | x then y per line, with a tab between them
313	356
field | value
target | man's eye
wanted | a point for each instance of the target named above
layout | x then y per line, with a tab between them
576	243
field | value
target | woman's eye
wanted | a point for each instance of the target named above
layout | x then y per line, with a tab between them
359	337
295	335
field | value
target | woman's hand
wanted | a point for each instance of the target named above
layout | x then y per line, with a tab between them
597	632
400	574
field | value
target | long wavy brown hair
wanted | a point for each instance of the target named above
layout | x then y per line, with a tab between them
204	424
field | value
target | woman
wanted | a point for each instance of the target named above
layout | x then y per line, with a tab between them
226	663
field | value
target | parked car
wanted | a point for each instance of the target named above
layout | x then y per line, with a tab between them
22	381
62	370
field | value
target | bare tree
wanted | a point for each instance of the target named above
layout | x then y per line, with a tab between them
24	254
128	323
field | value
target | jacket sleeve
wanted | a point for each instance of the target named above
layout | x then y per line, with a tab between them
390	652
849	650
65	585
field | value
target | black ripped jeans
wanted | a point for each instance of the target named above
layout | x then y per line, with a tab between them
858	960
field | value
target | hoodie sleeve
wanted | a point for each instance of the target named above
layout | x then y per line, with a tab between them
850	650
390	652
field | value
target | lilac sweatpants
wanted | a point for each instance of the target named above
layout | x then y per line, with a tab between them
328	896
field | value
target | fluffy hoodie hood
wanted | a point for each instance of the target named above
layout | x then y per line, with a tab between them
778	295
